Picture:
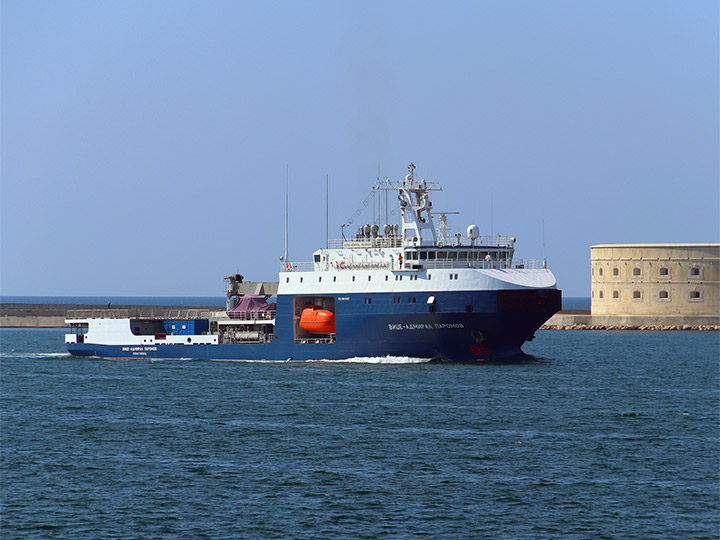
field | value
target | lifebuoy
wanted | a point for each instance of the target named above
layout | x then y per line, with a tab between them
341	265
288	267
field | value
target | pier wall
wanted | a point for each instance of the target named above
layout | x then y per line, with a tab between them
583	320
54	315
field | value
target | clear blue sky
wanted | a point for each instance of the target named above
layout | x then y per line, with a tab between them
144	144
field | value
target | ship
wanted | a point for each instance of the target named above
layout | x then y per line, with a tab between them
409	290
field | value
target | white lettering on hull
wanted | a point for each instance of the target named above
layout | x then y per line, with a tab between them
425	326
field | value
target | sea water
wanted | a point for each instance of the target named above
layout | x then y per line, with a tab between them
601	435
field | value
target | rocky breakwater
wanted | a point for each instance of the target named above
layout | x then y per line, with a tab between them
583	320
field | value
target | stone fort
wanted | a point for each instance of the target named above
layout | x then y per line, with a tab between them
667	280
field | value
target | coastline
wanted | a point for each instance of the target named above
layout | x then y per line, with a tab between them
30	315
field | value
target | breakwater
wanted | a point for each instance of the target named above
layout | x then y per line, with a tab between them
24	315
583	320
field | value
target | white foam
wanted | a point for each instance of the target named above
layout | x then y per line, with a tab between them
353	360
377	360
21	354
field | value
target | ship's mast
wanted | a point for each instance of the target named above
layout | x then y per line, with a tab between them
417	224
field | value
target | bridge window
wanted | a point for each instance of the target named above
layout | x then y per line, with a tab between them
431	255
423	255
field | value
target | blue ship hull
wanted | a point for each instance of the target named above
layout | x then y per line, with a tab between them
459	327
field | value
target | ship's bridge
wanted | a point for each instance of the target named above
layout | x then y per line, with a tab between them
415	243
490	252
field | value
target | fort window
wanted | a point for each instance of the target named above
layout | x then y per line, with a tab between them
616	272
636	271
636	294
664	294
694	294
695	271
600	271
664	272
616	294
601	294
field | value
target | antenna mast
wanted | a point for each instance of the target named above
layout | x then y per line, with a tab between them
287	176
327	210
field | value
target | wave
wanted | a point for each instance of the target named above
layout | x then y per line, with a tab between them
353	360
21	354
378	360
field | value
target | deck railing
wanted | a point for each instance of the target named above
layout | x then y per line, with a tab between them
137	313
414	264
249	315
397	241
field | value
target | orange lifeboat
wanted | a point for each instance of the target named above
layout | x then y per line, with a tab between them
317	320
